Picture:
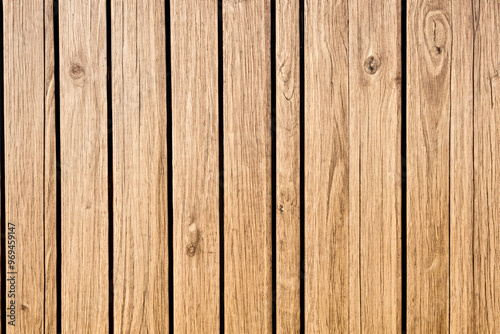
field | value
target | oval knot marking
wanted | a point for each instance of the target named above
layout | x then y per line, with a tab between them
76	71
372	64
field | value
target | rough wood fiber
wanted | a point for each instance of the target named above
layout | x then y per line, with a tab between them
375	107
326	167
428	141
486	166
461	170
195	128
139	115
50	175
287	166
84	167
23	28
247	166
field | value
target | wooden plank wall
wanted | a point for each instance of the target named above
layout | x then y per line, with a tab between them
210	166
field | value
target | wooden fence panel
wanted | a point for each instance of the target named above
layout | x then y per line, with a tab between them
288	183
50	175
326	180
461	170
428	126
247	166
375	123
195	142
486	166
24	113
84	167
139	119
142	200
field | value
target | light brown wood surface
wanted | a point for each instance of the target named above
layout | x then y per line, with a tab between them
486	166
139	117
461	170
288	166
428	142
24	92
375	114
84	167
326	167
121	120
50	175
247	166
195	142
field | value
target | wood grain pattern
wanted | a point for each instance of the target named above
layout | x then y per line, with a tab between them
428	141
50	175
486	166
375	105
84	167
326	167
287	166
195	142
23	24
247	166
461	170
139	117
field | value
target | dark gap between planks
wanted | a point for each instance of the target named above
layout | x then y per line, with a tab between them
109	93
169	172
58	162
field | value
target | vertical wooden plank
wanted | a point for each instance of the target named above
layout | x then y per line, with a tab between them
84	167
195	143
375	99
247	166
139	167
50	175
486	165
326	167
23	24
461	170
288	166
428	141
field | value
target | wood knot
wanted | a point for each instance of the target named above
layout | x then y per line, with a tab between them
24	307
76	71
437	32
193	240
372	64
191	251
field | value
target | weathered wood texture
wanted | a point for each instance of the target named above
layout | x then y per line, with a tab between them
326	167
84	167
486	166
343	110
195	142
50	175
247	166
461	170
287	166
24	113
139	120
428	140
375	139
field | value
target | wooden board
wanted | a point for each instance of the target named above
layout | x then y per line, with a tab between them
139	117
375	122
24	103
326	167
461	170
195	142
486	166
287	166
428	142
84	167
50	175
247	166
